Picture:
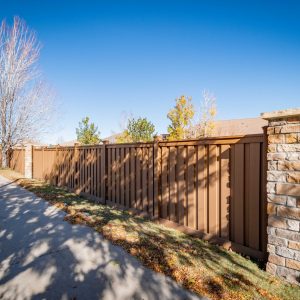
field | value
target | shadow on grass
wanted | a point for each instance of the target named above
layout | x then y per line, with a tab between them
197	265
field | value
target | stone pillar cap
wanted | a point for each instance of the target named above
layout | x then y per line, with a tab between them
277	114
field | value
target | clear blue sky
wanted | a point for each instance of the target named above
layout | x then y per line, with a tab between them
106	57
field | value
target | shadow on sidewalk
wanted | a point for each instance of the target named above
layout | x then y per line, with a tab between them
43	257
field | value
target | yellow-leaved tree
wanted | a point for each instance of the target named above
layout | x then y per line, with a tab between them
181	118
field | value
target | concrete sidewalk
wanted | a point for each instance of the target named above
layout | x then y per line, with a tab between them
43	257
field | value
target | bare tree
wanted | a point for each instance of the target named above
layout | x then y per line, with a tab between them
26	104
124	118
208	111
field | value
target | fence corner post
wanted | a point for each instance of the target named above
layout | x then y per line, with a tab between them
283	191
28	161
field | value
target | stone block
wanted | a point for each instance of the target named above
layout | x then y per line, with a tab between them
291	201
291	138
271	231
272	165
289	274
287	234
271	187
271	248
293	225
278	176
293	156
288	147
271	268
277	222
270	130
276	139
285	252
276	260
276	156
288	212
277	241
271	209
288	165
290	128
293	264
288	189
272	148
293	177
276	199
294	245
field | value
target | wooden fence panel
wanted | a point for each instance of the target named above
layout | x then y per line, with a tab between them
145	159
164	183
138	186
224	190
150	182
127	177
214	187
180	170
132	178
219	189
17	160
202	188
172	184
190	183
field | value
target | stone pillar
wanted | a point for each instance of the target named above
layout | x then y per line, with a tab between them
283	193
28	161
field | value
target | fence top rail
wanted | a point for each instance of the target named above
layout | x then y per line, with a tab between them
54	148
130	145
251	138
208	140
238	139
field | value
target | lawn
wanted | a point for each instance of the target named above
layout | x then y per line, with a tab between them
201	267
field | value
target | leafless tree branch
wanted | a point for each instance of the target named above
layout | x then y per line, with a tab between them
26	103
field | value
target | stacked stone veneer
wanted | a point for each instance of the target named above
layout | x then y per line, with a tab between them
28	161
283	194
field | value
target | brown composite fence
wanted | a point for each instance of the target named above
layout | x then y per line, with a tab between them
17	160
214	188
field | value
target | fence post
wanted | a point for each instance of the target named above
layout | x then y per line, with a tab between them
28	161
57	162
156	174
76	165
104	171
43	164
283	191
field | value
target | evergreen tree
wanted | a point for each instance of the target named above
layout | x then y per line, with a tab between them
87	133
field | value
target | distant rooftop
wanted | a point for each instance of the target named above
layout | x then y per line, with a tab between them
112	138
69	143
240	126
